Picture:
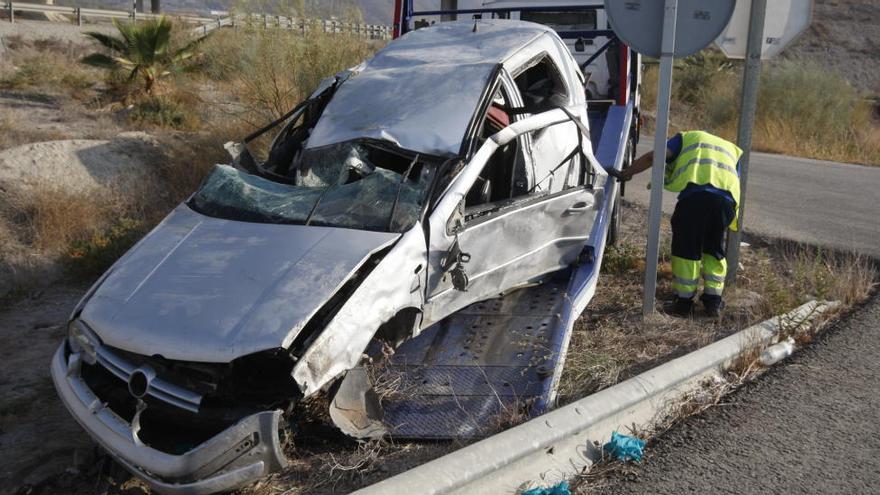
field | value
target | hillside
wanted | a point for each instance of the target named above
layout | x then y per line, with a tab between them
844	38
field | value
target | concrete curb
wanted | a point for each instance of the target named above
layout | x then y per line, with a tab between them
557	445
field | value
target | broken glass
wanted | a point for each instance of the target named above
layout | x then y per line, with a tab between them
336	186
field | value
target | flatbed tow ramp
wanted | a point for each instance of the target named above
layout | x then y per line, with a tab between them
497	361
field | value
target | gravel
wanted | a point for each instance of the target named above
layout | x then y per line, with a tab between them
809	426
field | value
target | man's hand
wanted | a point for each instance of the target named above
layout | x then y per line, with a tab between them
621	176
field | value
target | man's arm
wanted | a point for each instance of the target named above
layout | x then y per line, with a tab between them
641	164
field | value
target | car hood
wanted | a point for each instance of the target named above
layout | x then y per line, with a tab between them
210	290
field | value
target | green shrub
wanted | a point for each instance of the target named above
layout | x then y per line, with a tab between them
164	112
144	50
48	71
697	74
34	72
620	258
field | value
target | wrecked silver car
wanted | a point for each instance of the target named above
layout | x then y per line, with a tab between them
454	166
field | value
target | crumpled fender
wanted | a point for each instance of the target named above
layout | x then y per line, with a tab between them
396	283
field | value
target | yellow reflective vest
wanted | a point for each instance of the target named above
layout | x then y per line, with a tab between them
705	160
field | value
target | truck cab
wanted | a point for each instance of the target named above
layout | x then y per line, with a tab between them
570	16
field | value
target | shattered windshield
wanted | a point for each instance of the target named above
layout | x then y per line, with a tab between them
348	185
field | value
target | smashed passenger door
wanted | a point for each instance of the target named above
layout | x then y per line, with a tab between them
479	246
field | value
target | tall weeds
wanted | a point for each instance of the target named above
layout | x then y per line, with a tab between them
273	70
803	110
805	273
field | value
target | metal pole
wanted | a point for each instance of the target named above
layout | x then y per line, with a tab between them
751	80
448	5
664	93
11	12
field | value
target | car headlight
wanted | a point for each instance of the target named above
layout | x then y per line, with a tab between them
82	341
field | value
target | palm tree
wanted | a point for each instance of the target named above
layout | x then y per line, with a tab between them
143	50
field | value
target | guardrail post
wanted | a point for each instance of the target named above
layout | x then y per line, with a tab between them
265	21
79	16
11	12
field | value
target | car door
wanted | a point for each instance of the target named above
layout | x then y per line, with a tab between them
512	235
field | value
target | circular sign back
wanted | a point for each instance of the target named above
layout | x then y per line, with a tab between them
639	23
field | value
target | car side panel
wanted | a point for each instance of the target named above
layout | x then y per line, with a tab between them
517	247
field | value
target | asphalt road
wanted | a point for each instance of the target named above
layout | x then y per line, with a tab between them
811	426
818	202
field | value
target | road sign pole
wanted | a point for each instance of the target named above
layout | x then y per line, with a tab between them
664	94
751	80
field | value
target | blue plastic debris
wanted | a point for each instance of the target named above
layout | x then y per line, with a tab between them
625	448
560	489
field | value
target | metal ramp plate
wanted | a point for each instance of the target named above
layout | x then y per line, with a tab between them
478	370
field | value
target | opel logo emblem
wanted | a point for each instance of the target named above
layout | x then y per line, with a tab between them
139	382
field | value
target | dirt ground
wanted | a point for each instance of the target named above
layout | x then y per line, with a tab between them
38	438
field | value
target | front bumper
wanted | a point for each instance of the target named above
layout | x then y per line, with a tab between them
242	453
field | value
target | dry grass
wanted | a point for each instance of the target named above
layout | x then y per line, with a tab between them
47	65
12	133
804	272
329	467
270	71
611	342
803	110
51	219
84	231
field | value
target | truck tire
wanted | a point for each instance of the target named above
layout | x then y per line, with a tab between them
614	222
629	157
616	212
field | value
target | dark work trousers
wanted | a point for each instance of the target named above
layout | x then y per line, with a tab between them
699	225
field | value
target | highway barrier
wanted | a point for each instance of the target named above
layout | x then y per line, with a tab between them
205	24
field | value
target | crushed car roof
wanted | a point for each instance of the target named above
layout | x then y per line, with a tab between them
421	91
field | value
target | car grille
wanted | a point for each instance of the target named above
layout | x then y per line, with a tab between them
159	389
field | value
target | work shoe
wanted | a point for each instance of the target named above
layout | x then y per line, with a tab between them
683	307
713	305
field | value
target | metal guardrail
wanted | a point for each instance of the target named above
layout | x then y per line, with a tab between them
209	24
302	25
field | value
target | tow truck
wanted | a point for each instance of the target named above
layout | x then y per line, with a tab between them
502	358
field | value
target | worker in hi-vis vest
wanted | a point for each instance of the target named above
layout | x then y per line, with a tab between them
704	170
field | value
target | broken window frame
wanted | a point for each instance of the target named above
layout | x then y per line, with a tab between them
458	189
